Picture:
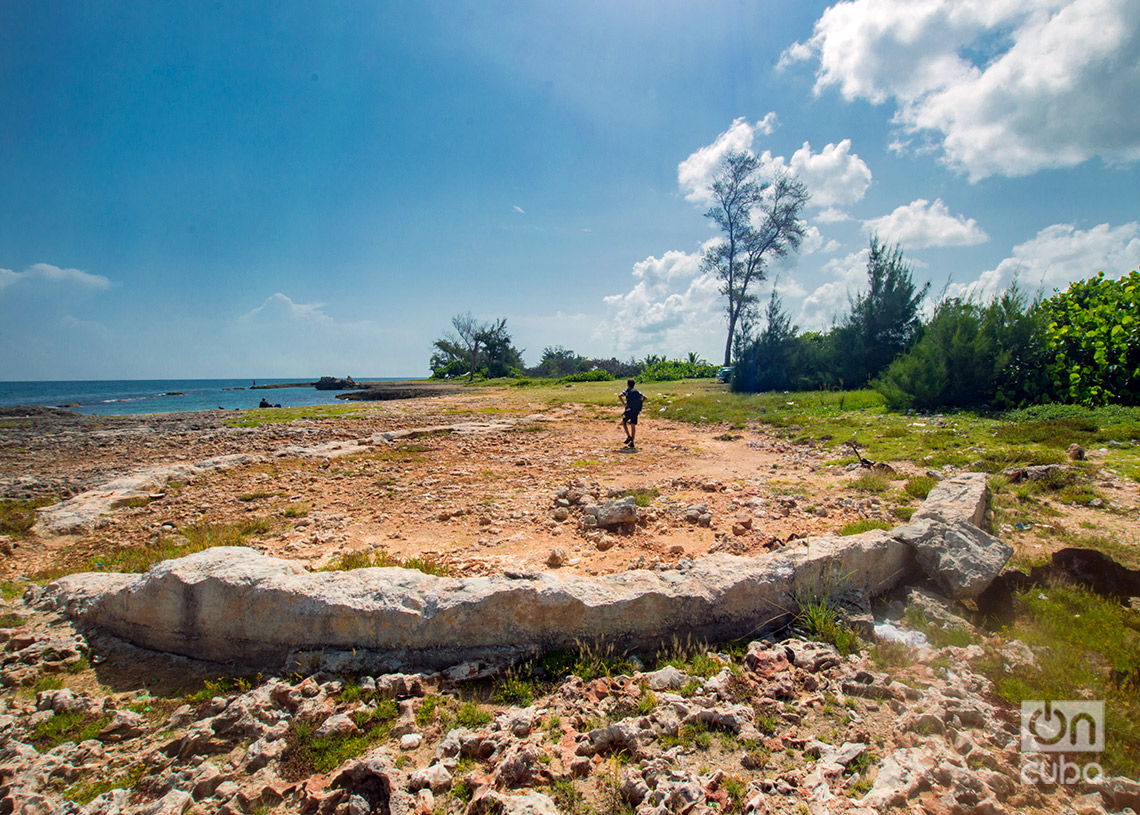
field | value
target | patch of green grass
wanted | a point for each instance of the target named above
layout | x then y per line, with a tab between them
87	791
471	715
46	682
695	734
890	654
258	417
348	561
462	792
10	620
257	496
584	463
297	510
426	710
903	513
138	559
11	589
646	702
18	517
352	691
79	665
871	482
767	722
568	798
222	686
939	637
1086	647
919	486
62	727
643	497
600	660
734	788
514	690
306	753
690	656
822	620
863	525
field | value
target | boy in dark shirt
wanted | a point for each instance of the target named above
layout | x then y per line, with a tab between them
632	399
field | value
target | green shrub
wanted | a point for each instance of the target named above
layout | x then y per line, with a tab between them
470	715
972	355
1093	338
822	620
676	369
596	375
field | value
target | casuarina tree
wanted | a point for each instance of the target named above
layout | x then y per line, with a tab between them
884	320
759	220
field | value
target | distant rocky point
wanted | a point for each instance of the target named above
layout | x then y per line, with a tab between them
331	383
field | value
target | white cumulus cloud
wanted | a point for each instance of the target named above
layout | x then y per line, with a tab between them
75	278
1059	255
920	224
829	300
1002	87
834	175
672	308
695	174
279	306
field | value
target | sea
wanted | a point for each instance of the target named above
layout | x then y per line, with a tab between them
116	397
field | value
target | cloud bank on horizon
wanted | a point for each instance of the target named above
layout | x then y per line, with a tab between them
328	213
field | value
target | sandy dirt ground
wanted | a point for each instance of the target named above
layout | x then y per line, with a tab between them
494	483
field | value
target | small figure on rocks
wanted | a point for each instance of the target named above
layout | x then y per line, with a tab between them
633	400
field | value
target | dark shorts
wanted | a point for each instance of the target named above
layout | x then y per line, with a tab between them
630	416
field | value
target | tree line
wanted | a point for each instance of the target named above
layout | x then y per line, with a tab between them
474	350
1081	345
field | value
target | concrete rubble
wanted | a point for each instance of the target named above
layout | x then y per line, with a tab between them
779	726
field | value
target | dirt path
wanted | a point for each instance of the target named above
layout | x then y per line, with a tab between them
480	502
476	500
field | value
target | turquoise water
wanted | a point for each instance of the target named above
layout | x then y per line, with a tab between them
127	396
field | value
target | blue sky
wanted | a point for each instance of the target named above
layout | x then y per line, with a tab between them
244	189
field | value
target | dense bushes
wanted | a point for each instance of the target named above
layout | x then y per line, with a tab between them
1080	346
671	370
1093	337
971	355
596	375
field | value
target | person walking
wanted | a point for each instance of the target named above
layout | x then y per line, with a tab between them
633	400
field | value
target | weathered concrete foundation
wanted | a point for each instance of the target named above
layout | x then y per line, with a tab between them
232	604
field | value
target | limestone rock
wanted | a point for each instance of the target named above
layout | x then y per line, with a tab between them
200	605
613	513
962	497
959	556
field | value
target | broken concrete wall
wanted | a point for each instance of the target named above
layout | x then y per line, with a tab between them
233	604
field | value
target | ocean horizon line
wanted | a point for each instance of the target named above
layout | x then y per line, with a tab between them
106	397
